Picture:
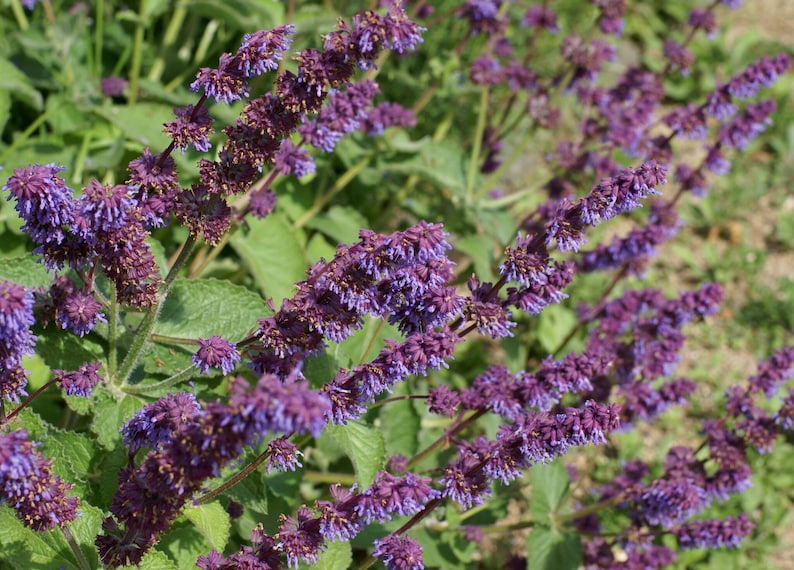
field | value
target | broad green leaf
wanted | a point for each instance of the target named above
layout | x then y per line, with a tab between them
61	351
251	492
442	163
340	223
110	414
153	560
365	448
400	424
337	556
85	529
481	250
549	487
183	543
25	549
554	324
200	308
273	255
212	521
18	85
142	122
549	549
25	271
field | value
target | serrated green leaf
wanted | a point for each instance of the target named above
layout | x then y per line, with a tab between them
400	424
153	560
18	85
365	448
66	351
549	486
251	492
200	308
273	255
212	521
25	271
85	529
28	549
110	414
337	556
549	549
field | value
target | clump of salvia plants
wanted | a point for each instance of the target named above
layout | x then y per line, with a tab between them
435	173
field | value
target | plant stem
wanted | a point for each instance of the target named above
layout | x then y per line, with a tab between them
474	162
150	319
139	389
99	23
113	332
75	548
135	65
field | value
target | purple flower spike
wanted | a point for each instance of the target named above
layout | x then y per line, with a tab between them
216	352
28	486
399	553
300	539
261	51
156	422
192	126
79	312
284	455
81	381
713	534
16	340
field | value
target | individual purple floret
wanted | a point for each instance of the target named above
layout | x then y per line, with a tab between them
156	422
443	401
540	17
16	340
300	539
679	56
261	555
79	382
259	52
483	16
670	502
28	486
385	115
113	86
610	15
399	553
283	455
216	352
46	205
390	495
292	160
712	534
339	520
191	127
402	35
80	312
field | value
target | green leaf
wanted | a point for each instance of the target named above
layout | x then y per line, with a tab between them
85	529
110	414
142	122
274	256
400	424
554	324
441	162
153	560
66	351
28	549
251	492
340	223
25	271
200	308
549	486
212	521
337	556
481	250
365	448
549	549
18	85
